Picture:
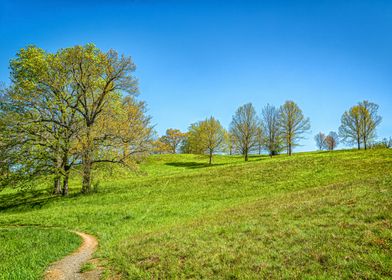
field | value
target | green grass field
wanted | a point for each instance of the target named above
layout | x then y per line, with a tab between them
313	215
27	251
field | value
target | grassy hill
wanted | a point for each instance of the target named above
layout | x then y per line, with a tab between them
312	215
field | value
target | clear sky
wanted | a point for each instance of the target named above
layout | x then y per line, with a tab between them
200	58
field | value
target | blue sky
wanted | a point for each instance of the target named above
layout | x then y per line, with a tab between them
200	58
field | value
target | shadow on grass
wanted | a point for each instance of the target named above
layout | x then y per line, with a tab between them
192	165
26	200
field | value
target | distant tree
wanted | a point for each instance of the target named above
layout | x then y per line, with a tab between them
260	138
231	143
185	147
208	137
292	124
369	120
160	147
244	127
385	143
195	145
272	137
173	138
350	128
359	123
319	138
331	141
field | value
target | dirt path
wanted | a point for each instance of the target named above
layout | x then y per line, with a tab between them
69	267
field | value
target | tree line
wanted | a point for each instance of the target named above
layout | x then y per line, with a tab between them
275	130
76	108
358	127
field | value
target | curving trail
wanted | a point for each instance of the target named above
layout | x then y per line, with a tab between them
69	267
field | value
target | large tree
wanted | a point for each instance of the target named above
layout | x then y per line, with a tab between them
97	78
244	127
293	124
70	108
41	125
272	137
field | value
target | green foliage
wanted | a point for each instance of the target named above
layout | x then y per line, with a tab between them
292	124
321	215
273	141
207	137
359	123
244	127
67	108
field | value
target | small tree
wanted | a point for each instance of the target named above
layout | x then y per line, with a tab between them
160	147
369	120
350	128
231	143
207	136
272	137
359	123
173	138
244	127
292	124
331	141
319	138
260	139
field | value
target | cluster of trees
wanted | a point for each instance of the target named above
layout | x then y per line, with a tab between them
358	127
327	142
277	129
75	107
170	142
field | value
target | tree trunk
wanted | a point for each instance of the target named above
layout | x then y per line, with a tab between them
364	142
57	177
210	157
289	149
359	143
87	164
57	185
65	181
246	155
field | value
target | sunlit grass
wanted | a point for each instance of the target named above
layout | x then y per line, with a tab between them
314	214
27	251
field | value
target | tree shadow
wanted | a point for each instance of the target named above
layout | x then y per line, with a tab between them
192	165
27	200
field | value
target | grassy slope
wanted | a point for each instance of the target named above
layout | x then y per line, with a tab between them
314	214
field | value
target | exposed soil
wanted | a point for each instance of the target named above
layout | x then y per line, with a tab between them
69	267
